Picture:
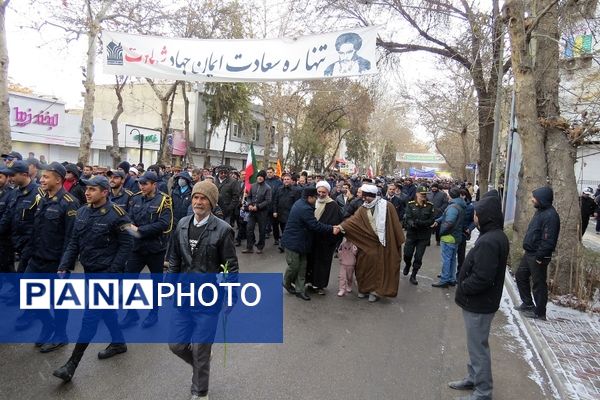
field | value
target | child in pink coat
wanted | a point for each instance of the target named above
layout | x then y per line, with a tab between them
347	256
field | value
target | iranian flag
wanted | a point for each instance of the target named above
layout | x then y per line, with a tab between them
251	169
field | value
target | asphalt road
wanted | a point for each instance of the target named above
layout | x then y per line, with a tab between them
334	348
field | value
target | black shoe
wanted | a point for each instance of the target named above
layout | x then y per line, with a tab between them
461	385
453	283
129	320
531	314
112	350
67	371
302	295
524	307
289	288
150	320
441	284
276	243
48	347
280	249
413	280
406	270
238	244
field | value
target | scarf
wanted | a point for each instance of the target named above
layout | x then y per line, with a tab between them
380	215
320	206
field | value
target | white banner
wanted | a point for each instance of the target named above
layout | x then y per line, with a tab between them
344	53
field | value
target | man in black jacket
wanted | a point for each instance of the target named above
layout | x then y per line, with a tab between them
539	243
418	222
201	243
297	241
479	291
283	200
259	204
229	195
588	208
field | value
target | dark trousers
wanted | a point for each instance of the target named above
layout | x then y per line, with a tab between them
7	256
585	221
460	254
530	269
90	321
437	233
278	228
242	229
89	327
191	338
255	218
598	223
61	317
154	261
274	227
416	247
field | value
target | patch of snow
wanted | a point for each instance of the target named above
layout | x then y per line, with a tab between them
526	348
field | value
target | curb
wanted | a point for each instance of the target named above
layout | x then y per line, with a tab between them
541	346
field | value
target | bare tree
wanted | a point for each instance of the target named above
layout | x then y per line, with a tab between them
115	150
166	98
88	18
476	46
548	155
5	137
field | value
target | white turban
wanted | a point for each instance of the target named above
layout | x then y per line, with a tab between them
324	184
366	188
134	170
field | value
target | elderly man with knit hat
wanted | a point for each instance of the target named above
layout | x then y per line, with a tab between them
375	229
318	266
201	243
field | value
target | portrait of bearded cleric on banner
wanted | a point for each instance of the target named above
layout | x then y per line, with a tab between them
347	45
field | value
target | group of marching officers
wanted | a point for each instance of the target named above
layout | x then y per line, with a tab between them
46	229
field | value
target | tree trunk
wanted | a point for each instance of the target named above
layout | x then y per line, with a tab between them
560	154
533	171
5	136
227	124
268	140
186	121
485	114
115	150
87	117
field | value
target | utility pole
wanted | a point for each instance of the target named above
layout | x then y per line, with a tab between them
497	114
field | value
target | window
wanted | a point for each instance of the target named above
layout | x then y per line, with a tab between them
235	131
256	132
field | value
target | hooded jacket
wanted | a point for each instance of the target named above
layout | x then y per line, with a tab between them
181	200
481	277
542	232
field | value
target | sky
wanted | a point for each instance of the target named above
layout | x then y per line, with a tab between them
44	62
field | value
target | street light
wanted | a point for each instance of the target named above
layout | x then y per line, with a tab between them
141	139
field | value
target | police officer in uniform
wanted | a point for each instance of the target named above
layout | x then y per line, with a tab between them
103	243
6	252
118	194
418	221
17	222
52	227
151	215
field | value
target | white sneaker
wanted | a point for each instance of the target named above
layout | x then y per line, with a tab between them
361	295
373	298
341	293
197	397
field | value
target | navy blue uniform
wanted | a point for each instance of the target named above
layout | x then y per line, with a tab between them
17	220
7	255
52	227
100	239
103	244
153	216
53	222
122	198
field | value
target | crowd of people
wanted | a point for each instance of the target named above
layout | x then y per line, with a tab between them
175	220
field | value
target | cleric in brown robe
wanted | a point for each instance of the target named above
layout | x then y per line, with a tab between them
375	229
318	266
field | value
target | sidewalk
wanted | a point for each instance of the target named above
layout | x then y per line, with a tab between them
569	345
